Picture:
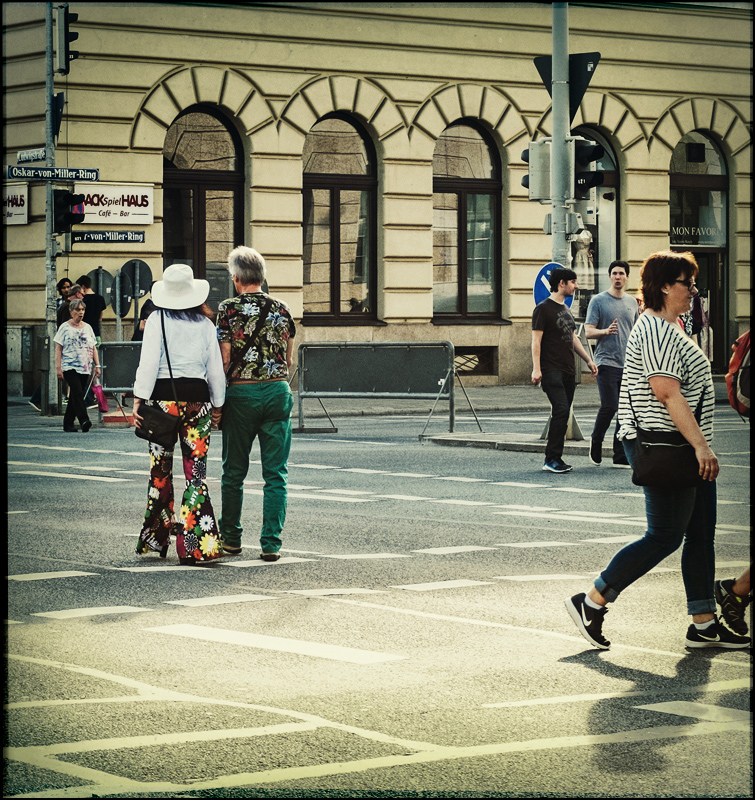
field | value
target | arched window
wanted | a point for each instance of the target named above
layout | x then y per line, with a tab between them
698	197
203	183
466	225
339	218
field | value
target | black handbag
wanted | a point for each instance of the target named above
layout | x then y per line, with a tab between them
157	425
665	459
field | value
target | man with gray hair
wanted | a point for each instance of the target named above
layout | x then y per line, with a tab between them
256	334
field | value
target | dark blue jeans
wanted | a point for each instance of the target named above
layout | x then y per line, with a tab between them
609	383
685	516
559	387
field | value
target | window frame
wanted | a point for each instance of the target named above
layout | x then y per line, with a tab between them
335	183
462	188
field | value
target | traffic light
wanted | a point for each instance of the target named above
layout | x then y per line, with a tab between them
538	177
582	154
67	210
63	54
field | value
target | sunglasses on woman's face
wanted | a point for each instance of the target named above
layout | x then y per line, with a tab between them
689	283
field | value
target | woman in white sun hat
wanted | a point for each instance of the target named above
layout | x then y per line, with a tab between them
199	380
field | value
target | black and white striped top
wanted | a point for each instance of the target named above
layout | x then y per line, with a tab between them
655	347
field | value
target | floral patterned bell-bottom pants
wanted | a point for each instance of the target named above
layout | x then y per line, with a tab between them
196	531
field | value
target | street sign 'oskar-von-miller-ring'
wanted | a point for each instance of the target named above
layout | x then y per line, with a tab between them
51	174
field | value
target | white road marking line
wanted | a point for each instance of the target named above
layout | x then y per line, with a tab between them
731	564
19	512
540	544
70	613
612	539
606	514
573	518
528	508
158	568
362	471
408	497
260	563
305	496
540	578
732	503
461	479
735	466
453	502
278	643
330	592
344	491
431	587
683	708
219	601
43	474
732	527
368	555
310	466
40	576
576	489
522	485
410	475
716	686
465	548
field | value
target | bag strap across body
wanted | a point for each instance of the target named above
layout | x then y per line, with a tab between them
167	358
239	356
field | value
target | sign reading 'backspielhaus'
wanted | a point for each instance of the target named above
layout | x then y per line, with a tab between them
118	204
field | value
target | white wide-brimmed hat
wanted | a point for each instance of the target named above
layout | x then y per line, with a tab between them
179	288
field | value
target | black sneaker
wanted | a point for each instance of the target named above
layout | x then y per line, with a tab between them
596	452
556	465
229	549
733	606
588	620
620	462
716	635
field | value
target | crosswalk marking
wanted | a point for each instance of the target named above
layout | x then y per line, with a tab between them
431	587
40	576
45	474
368	555
541	578
539	544
684	708
466	548
258	562
219	601
573	518
331	592
296	646
71	613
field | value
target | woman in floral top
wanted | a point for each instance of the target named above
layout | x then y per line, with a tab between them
200	388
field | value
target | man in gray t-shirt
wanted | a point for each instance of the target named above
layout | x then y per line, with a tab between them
610	317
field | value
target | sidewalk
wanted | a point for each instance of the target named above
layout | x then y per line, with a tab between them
520	399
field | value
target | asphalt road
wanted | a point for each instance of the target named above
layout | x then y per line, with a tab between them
411	642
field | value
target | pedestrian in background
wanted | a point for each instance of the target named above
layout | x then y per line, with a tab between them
96	306
666	375
199	381
256	334
734	596
554	340
147	308
75	292
610	318
75	355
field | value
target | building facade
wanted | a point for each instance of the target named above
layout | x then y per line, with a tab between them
373	154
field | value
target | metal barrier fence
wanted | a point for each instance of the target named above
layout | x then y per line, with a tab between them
406	370
119	362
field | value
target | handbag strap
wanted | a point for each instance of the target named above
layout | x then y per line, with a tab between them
238	357
167	358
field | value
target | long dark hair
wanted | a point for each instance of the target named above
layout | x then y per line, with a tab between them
192	314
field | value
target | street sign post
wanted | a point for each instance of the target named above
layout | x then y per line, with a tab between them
542	288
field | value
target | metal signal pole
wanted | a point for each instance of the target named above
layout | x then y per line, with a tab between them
561	246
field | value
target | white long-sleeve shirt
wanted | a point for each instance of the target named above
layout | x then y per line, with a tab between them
194	353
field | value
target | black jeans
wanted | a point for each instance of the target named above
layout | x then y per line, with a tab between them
609	383
559	387
76	408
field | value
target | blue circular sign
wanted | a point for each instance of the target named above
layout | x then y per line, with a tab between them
542	290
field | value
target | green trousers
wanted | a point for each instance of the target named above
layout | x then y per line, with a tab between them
256	410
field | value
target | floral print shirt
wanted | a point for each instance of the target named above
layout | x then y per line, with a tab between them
266	359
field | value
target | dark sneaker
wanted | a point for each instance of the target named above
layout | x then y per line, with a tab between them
35	406
270	556
716	635
230	549
620	462
552	465
733	606
596	452
588	620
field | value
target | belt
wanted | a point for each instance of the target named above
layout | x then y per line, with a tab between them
237	381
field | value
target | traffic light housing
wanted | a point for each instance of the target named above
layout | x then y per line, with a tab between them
68	210
538	178
582	153
63	53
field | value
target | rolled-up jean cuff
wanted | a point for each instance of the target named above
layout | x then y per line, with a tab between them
606	592
701	607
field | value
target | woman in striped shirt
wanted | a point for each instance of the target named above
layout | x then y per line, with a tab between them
666	375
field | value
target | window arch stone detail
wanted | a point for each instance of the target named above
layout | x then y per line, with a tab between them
607	112
702	114
227	89
457	101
